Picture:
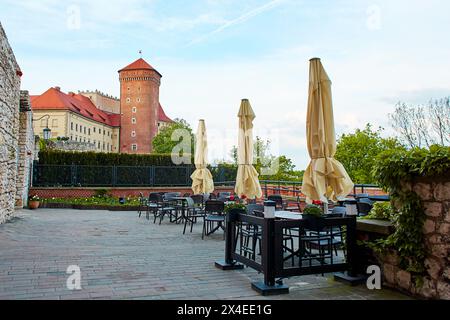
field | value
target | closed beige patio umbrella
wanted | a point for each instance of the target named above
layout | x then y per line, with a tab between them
202	181
325	178
247	182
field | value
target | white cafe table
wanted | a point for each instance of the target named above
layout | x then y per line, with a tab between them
288	215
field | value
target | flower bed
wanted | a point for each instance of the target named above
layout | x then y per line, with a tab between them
92	203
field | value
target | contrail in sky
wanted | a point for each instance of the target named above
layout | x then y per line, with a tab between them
243	18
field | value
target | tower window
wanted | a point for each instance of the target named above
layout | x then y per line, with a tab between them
133	120
133	134
138	99
134	147
134	110
128	100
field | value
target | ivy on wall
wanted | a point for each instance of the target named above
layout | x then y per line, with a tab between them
394	169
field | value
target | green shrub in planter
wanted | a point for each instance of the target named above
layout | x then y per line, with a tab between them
312	211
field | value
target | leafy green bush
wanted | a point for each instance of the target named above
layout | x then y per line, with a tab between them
381	211
393	169
313	210
48	157
102	193
94	200
232	206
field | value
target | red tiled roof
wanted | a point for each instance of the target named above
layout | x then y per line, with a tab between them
139	64
54	99
162	115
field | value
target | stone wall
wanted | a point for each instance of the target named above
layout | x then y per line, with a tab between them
436	200
9	126
26	150
16	134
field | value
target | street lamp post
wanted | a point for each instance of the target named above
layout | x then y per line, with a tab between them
47	132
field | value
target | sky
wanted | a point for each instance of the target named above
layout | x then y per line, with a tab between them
213	53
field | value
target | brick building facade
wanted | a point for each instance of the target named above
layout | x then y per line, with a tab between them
139	105
104	123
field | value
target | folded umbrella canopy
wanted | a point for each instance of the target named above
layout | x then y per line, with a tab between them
202	181
325	178
247	182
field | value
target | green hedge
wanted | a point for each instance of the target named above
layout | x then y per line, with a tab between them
103	159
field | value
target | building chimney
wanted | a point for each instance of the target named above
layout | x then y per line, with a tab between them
58	88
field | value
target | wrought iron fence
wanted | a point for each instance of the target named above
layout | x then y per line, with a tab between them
123	176
152	176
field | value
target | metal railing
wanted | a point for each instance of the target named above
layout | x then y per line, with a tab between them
152	176
272	261
294	188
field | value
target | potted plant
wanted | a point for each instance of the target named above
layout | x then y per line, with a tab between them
314	214
234	206
34	202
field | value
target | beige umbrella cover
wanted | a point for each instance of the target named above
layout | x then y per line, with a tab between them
202	181
325	178
247	182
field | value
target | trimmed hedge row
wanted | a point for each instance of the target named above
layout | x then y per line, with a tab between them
103	159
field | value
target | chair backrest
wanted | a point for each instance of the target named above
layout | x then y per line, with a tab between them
154	197
363	208
214	206
251	208
223	194
212	196
277	199
190	202
259	214
171	195
366	200
198	199
339	211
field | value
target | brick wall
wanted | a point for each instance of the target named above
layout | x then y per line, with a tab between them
436	200
117	192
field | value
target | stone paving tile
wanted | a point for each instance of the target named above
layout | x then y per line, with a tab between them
124	257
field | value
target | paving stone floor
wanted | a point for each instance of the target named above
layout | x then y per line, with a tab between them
122	256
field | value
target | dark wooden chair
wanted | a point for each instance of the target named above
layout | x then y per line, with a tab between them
214	211
192	212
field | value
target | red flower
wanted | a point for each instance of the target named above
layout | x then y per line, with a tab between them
317	202
231	198
243	197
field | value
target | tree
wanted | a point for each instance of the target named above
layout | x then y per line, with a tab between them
269	166
358	151
171	136
423	126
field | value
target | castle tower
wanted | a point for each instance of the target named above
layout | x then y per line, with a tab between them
139	107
